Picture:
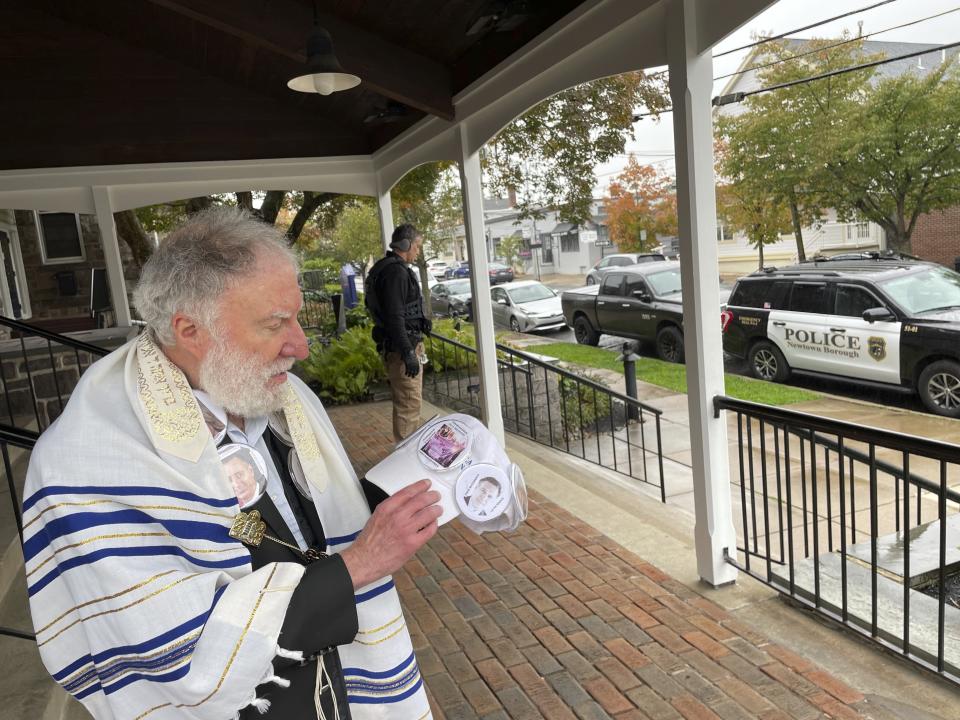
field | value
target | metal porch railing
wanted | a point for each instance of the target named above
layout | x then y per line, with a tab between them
38	371
859	524
14	440
553	406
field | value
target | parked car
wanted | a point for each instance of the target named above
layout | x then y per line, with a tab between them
452	297
460	269
637	301
526	305
437	268
610	262
879	320
500	273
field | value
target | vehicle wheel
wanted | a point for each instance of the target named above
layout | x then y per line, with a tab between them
451	312
939	388
670	344
767	362
590	280
514	324
584	333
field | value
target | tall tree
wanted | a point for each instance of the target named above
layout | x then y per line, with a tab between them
785	135
134	236
874	148
356	234
901	155
291	210
415	201
547	156
510	247
754	211
445	211
641	205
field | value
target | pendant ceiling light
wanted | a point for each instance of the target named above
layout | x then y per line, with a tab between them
323	72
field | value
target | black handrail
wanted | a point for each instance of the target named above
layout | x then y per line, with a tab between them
28	329
24	439
19	437
45	400
911	443
506	349
881	465
583	417
805	549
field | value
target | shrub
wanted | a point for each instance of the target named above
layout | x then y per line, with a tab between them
318	272
358	317
581	409
444	356
346	368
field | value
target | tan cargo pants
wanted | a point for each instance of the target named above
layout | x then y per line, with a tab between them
407	393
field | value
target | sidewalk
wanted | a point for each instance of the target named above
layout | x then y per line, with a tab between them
561	620
558	280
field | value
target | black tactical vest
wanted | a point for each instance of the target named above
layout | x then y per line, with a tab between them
410	300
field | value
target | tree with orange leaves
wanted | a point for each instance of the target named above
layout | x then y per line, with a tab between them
641	206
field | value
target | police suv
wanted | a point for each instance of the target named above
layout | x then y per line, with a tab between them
876	320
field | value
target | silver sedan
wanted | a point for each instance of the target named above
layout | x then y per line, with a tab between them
527	305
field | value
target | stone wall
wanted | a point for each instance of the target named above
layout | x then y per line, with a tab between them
36	377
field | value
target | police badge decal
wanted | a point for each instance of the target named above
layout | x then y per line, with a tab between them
877	347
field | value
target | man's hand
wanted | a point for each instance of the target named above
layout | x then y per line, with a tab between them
399	527
412	363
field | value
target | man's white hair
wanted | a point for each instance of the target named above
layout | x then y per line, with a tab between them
197	262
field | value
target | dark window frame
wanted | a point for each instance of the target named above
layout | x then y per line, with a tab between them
570	242
836	297
45	256
643	285
608	282
826	298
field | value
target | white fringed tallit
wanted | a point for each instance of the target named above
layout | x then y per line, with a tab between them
144	607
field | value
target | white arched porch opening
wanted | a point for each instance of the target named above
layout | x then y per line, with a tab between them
599	38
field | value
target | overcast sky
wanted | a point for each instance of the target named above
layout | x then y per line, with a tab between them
654	140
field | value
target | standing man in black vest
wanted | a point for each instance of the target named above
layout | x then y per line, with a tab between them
393	297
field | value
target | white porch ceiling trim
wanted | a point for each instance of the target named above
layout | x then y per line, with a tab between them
599	39
68	189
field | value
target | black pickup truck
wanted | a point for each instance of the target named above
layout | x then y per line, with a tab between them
638	301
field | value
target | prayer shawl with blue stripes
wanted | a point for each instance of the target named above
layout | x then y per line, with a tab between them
144	607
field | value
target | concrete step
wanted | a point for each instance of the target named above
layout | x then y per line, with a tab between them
26	688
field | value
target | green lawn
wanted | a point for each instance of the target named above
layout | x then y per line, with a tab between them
673	376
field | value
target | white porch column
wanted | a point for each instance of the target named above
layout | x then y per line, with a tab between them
691	84
472	190
385	212
111	253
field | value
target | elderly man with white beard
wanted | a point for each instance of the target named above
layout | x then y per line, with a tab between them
157	588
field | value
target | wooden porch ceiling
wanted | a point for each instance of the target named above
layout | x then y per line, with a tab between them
149	81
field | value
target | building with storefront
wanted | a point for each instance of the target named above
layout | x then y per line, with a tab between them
550	245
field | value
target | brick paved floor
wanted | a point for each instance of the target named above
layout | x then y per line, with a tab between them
558	621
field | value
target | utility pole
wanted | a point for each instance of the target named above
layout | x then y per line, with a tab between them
536	251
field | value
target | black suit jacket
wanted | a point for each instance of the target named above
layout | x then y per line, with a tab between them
322	613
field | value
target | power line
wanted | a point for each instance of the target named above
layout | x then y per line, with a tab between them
618	172
805	27
765	40
644	153
640	116
837	44
739	96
